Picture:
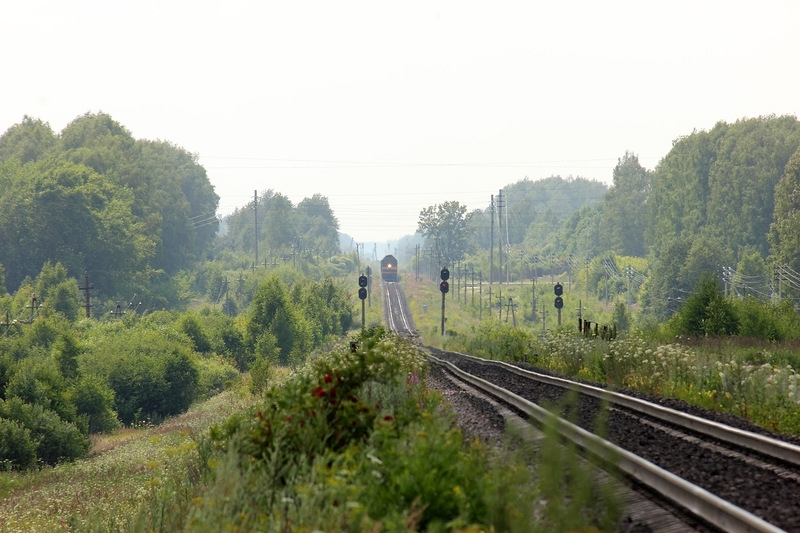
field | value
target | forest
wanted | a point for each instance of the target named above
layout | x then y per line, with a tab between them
126	298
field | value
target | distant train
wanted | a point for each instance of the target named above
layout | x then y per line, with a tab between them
389	268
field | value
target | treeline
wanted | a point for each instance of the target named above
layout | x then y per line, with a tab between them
131	212
722	201
286	232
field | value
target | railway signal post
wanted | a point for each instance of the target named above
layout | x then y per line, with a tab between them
362	295
558	289
444	286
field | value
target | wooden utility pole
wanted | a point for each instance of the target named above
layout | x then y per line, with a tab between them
491	246
500	235
86	288
255	225
34	307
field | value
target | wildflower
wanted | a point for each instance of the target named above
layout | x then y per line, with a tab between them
328	378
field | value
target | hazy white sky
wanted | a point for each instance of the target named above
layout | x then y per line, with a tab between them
387	108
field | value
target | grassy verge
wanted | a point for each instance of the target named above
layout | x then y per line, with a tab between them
113	483
756	380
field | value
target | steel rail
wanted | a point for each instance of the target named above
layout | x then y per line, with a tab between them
700	502
391	315
762	444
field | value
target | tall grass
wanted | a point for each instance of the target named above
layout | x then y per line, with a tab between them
755	379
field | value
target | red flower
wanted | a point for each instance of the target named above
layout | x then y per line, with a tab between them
388	418
319	392
328	378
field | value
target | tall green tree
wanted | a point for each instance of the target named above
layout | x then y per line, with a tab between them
281	226
30	140
273	313
624	216
447	228
784	232
317	225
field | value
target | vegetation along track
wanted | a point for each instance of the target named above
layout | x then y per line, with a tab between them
735	478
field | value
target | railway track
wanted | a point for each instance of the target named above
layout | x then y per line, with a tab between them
395	310
732	479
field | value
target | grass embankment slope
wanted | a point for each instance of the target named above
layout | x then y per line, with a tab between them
116	479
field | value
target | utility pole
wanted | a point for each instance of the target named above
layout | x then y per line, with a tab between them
472	271
255	222
480	296
34	307
500	235
86	288
629	271
227	300
416	270
491	246
587	279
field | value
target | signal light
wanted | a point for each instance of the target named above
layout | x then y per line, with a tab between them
559	303
362	280
444	287
444	274
558	289
362	293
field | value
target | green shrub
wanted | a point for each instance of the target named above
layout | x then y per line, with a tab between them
55	439
94	400
213	374
706	312
190	325
17	448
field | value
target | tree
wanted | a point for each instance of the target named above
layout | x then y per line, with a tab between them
624	208
706	312
784	232
27	141
447	228
272	312
280	222
66	351
94	400
706	256
317	225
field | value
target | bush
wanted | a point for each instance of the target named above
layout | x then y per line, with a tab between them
213	374
190	325
706	312
17	448
94	400
149	367
55	439
757	320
